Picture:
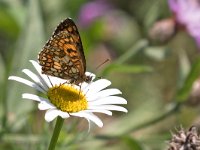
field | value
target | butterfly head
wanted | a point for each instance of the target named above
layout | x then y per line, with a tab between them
88	79
81	79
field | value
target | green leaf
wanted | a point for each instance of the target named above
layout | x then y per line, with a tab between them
140	45
127	68
132	143
184	92
8	25
28	46
2	85
184	68
158	53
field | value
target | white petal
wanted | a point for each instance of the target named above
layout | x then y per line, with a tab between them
109	100
26	82
33	97
57	81
89	116
97	86
84	87
51	114
89	125
45	105
107	112
44	78
104	93
35	78
63	114
109	107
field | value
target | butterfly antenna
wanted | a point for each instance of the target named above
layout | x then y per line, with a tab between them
107	60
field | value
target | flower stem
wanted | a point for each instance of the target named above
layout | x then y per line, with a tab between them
56	132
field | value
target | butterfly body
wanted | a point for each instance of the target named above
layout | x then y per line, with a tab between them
62	56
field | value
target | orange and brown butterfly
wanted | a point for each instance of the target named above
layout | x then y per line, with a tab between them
62	56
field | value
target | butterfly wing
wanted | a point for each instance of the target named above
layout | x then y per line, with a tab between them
69	26
62	56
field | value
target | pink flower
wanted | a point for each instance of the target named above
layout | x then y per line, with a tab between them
187	13
92	10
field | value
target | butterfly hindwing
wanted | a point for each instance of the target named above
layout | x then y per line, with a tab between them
63	56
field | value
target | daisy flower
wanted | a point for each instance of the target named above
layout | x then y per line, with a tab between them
65	100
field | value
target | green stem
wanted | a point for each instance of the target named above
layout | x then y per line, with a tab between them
56	132
168	113
140	45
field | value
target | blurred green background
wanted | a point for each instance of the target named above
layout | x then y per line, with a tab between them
157	73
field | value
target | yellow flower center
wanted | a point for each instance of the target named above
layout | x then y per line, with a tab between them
67	98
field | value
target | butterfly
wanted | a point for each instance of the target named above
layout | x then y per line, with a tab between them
63	56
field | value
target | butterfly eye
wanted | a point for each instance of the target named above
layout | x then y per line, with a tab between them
88	79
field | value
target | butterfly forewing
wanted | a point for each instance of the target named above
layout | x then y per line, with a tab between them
62	56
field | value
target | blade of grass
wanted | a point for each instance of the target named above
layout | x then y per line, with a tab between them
184	92
28	46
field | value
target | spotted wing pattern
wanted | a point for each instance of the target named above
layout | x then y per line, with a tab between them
62	56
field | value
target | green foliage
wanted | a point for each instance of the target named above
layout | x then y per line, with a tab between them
156	78
193	75
132	143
